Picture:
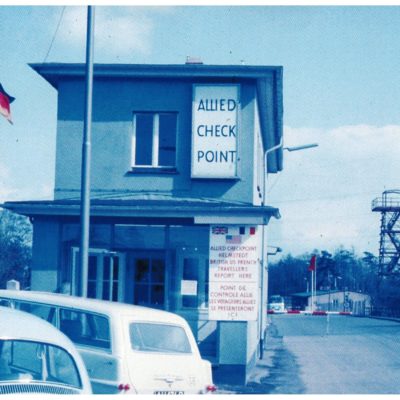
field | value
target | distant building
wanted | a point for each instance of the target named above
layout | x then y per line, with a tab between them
335	300
177	196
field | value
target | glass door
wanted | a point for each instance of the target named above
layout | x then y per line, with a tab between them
193	278
106	273
149	280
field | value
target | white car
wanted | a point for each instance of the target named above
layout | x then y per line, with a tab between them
276	305
35	357
126	348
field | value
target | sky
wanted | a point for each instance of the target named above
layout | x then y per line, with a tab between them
341	89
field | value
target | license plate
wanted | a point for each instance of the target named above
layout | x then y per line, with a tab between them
173	392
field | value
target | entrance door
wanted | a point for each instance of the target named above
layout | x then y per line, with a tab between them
106	273
148	280
193	277
193	283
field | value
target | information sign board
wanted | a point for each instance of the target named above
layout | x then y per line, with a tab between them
234	269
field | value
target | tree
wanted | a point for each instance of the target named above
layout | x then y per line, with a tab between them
15	248
342	270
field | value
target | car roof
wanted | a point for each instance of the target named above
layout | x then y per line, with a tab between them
15	324
93	305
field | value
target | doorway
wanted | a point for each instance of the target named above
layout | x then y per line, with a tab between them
148	279
106	274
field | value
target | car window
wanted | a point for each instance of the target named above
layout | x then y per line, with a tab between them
5	303
24	360
43	311
85	328
276	299
160	338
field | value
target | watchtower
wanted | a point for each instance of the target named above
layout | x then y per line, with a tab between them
389	250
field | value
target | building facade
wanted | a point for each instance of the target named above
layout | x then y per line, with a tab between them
335	300
178	209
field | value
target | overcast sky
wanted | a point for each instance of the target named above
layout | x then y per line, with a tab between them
341	89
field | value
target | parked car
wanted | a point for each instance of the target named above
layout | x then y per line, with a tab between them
126	348
35	357
276	305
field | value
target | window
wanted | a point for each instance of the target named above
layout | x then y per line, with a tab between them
159	338
23	360
85	328
5	303
154	140
48	313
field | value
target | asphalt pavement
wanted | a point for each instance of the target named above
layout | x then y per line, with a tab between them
307	354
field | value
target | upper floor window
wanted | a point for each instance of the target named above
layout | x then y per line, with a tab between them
154	139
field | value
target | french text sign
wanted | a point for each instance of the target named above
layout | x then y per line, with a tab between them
235	256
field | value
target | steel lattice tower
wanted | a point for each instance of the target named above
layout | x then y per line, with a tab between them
389	250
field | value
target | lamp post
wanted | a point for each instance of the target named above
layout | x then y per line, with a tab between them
264	247
274	148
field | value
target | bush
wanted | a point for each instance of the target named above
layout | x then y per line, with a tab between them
15	248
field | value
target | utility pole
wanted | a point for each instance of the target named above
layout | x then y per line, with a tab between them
86	155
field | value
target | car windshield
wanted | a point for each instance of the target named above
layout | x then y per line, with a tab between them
22	360
159	338
276	299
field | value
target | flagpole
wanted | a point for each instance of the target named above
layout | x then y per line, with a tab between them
312	290
315	281
86	155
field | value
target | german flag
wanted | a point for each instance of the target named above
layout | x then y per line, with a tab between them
5	101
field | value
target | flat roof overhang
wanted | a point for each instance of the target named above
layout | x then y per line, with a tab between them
149	211
54	72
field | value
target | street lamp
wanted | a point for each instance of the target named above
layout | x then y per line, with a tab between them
274	251
302	147
278	146
264	250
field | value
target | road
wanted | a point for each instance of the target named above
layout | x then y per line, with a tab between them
341	355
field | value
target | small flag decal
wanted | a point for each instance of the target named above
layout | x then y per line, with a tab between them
219	230
233	239
5	101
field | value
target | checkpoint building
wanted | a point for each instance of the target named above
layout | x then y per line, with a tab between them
178	209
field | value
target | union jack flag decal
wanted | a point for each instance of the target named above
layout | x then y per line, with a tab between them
219	230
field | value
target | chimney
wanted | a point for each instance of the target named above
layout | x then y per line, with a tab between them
193	60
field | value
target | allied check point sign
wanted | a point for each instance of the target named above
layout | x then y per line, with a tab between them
215	131
234	270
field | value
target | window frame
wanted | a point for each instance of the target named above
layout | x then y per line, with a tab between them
155	149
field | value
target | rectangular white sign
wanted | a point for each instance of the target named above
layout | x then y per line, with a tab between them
235	258
189	288
215	131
